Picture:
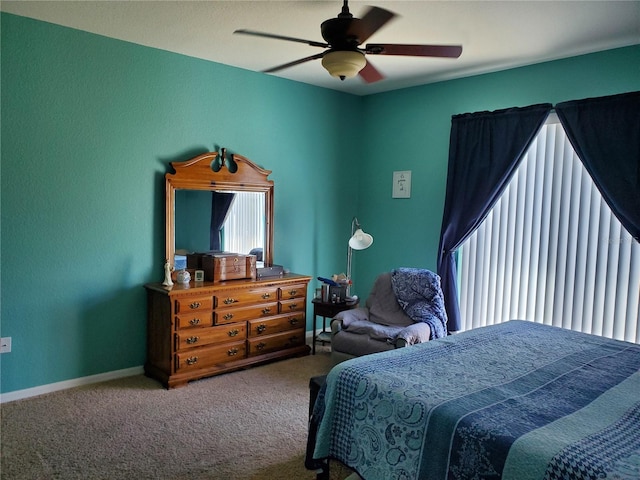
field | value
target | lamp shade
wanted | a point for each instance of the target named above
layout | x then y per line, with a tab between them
344	63
360	240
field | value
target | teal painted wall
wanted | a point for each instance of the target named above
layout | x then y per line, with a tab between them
409	130
89	125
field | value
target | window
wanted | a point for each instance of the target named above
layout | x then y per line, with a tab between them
550	251
244	227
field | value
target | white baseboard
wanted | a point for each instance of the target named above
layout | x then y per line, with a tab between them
76	382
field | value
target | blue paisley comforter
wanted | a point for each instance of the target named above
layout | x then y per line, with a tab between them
513	401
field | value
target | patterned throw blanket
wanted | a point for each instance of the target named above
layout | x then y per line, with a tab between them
419	294
514	401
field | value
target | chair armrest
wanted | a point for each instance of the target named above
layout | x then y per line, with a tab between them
346	317
336	325
416	333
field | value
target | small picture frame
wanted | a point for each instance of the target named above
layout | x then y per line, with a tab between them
401	184
199	275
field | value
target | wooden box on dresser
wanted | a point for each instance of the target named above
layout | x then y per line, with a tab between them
202	329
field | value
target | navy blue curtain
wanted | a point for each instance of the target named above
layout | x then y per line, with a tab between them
605	133
485	149
220	204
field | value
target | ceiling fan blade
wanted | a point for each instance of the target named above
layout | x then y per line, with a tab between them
371	22
296	62
449	51
370	74
282	37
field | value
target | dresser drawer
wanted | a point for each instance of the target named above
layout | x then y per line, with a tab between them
192	304
279	341
295	305
238	298
229	315
298	290
281	323
207	336
209	356
196	319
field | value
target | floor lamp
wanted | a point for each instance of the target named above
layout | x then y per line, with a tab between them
358	241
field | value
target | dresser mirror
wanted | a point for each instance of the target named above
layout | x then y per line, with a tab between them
214	204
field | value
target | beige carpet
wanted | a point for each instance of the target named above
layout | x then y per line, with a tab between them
250	424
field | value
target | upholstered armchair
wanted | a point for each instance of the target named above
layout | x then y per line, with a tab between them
404	307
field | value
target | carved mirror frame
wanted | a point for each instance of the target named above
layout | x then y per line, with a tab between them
212	171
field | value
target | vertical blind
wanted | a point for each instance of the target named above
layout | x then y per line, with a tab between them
241	231
550	251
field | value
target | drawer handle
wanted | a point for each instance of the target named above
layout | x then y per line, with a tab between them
265	296
234	332
228	316
261	346
293	321
194	305
194	321
293	306
192	360
266	311
261	328
293	339
192	340
292	293
232	352
229	301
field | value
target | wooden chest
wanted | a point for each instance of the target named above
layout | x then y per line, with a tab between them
232	266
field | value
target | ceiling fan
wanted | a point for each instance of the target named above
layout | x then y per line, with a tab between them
343	57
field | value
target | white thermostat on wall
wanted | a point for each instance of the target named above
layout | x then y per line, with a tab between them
401	184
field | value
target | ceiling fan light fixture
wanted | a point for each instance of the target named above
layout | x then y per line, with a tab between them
343	63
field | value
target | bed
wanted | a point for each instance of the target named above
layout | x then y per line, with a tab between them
517	400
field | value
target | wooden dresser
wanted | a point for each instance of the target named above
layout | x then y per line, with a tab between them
199	330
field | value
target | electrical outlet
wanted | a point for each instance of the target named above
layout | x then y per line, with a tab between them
5	344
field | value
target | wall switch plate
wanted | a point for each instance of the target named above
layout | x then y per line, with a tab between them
401	184
5	344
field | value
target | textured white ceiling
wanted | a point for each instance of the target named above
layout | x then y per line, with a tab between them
495	35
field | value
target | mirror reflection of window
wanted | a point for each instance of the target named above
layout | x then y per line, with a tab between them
243	223
244	227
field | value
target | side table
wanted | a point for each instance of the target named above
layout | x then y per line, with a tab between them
326	310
